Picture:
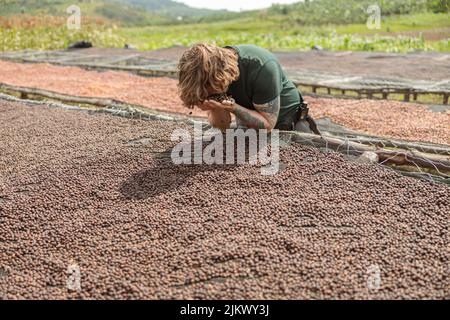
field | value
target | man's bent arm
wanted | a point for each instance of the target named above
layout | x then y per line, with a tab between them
264	117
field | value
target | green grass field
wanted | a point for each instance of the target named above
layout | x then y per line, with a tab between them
413	22
46	33
419	31
276	34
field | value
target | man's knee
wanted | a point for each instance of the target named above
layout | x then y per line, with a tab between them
284	126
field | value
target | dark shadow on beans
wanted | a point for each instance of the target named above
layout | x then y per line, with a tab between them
165	175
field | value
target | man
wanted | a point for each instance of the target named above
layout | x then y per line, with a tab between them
262	96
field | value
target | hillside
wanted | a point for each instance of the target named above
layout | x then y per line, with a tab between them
333	12
351	11
171	8
127	12
406	25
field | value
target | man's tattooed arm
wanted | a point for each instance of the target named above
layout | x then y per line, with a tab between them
270	111
264	117
249	118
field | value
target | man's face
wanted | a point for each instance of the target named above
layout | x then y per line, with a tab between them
211	91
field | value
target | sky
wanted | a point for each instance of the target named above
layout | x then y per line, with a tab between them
234	5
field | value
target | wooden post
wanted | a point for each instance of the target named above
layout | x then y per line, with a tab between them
406	98
445	98
397	156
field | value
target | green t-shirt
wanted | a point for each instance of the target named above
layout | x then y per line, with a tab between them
261	80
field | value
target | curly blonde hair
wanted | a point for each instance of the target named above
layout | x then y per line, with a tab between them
203	67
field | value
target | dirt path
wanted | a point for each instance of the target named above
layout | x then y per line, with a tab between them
90	194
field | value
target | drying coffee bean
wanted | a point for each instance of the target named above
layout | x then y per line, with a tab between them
219	97
135	226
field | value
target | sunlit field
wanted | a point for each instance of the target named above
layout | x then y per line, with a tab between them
48	33
405	26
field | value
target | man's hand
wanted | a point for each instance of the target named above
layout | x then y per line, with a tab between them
211	105
218	113
264	117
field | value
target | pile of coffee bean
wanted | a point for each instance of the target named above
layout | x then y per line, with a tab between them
93	207
219	97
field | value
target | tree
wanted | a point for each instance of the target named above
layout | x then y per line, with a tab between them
438	6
